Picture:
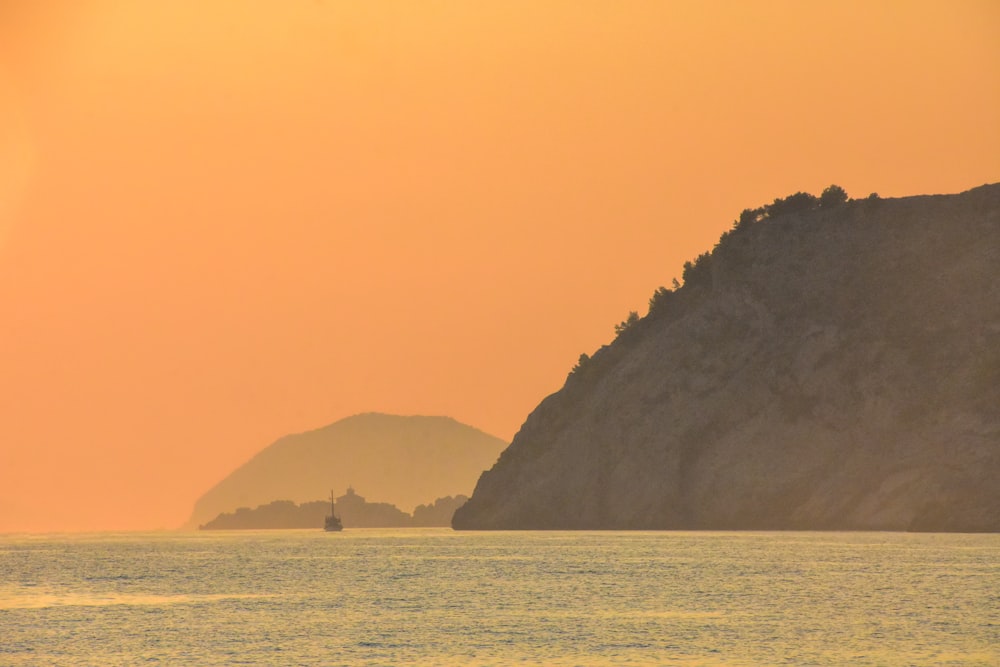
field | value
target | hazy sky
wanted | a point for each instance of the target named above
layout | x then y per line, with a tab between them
222	221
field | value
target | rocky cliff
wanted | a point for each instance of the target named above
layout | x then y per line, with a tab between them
825	367
401	460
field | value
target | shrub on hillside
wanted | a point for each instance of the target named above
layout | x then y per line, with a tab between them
658	302
627	323
748	217
697	272
800	202
832	196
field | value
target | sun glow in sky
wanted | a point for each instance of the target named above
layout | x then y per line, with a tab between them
223	221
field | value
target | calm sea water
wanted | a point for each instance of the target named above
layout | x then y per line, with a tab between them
435	597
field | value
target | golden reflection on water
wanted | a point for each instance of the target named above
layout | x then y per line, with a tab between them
375	597
9	600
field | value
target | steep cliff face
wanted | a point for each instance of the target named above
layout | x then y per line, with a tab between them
832	369
400	460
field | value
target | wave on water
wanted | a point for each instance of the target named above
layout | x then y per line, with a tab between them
48	599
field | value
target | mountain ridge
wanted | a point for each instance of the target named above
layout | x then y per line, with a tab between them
832	367
402	460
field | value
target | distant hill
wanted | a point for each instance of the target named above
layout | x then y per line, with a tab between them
404	461
831	364
273	515
353	510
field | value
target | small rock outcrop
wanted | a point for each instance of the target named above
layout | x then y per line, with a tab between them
830	365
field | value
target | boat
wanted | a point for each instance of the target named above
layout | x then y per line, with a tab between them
332	523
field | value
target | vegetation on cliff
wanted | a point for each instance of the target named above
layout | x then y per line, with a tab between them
831	363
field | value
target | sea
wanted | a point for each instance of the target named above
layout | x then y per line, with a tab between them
438	597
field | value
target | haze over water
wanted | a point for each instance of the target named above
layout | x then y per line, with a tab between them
429	596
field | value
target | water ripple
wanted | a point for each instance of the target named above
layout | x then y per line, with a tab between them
434	597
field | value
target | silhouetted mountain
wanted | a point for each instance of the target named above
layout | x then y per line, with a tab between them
278	514
830	365
400	460
353	510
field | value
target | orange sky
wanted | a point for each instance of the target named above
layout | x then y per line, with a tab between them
224	221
